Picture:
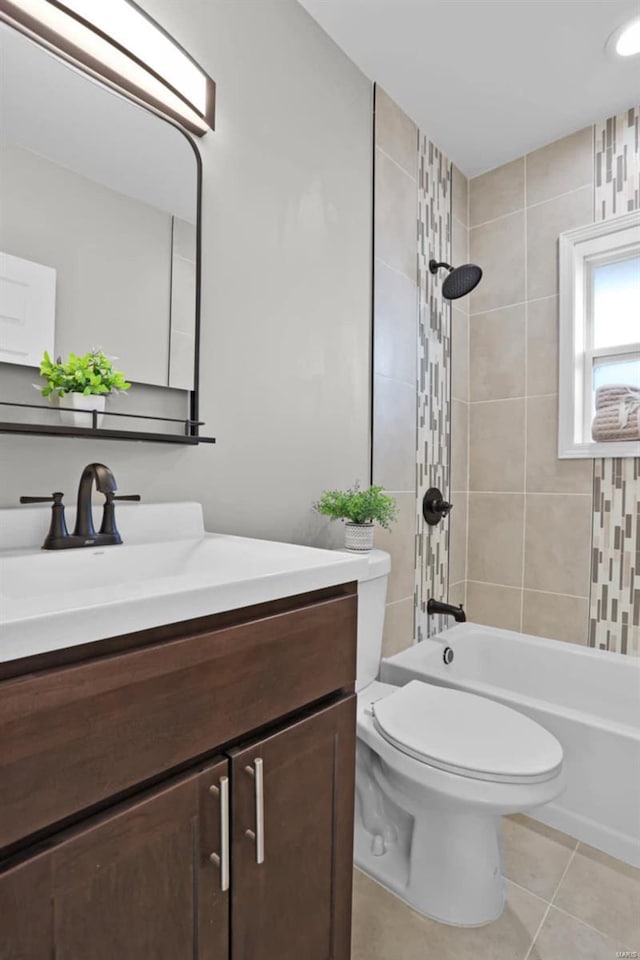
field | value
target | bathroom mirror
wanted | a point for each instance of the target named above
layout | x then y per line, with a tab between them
99	201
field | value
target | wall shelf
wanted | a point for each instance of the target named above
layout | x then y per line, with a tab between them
190	436
44	429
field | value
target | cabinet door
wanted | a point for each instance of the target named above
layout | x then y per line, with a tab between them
136	882
292	840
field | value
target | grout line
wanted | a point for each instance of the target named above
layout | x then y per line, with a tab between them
503	216
538	203
537	396
506	586
400	273
526	405
399	600
529	493
385	376
559	196
506	306
564	873
548	910
384	153
537	933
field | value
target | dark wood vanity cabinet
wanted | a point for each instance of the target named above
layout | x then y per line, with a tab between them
245	854
133	883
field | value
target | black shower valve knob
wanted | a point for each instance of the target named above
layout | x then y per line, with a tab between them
434	507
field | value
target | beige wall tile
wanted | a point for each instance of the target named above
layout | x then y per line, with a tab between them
563	937
496	446
544	223
398	627
459	445
498	248
395	324
494	606
497	192
603	892
459	355
458	537
394	426
395	216
535	856
558	543
497	346
495	538
399	542
459	195
458	593
556	617
542	346
561	166
396	133
545	472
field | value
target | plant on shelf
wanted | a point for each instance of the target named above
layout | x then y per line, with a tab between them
360	510
81	385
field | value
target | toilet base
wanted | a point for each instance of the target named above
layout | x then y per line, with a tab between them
447	867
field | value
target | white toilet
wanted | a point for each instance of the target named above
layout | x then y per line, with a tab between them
436	769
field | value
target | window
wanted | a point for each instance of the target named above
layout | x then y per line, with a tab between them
599	388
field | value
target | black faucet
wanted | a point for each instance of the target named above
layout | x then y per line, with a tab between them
84	534
437	606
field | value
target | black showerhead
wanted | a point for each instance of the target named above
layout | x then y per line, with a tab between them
461	280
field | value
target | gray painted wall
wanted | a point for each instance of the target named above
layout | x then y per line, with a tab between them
286	289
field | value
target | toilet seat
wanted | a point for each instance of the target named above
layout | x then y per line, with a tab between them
465	734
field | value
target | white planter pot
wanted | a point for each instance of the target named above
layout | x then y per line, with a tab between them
70	407
359	537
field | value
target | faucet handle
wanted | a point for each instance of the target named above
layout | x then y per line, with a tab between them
58	535
109	527
56	498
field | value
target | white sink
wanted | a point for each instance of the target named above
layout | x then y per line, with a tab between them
168	569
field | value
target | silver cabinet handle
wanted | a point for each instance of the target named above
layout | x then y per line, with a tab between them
257	772
222	860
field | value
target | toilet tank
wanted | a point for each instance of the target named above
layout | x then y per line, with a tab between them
372	594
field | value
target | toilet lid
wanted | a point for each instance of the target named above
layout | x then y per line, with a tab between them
467	734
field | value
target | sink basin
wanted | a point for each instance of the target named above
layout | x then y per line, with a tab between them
168	569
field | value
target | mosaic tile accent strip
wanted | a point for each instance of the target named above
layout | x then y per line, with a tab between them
617	165
614	619
434	370
615	588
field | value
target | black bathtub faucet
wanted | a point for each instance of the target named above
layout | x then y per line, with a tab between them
437	606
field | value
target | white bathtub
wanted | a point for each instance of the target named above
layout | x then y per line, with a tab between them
589	699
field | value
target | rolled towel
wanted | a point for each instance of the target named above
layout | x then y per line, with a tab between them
618	420
614	394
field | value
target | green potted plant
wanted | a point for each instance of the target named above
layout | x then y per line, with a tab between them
360	510
81	383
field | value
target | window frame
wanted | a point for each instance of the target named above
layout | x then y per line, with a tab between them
578	250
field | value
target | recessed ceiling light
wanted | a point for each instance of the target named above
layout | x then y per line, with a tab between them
625	41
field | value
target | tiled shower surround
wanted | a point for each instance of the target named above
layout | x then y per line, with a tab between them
553	544
411	406
546	546
434	389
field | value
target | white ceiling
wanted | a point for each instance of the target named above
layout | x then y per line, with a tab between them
490	80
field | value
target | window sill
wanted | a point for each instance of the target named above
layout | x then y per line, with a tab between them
593	450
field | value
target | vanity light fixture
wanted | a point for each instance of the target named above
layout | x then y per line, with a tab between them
625	41
119	43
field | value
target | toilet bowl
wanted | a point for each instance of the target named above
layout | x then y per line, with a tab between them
436	770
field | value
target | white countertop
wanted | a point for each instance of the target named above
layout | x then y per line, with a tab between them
168	569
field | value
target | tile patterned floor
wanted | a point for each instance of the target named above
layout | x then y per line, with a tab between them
566	901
